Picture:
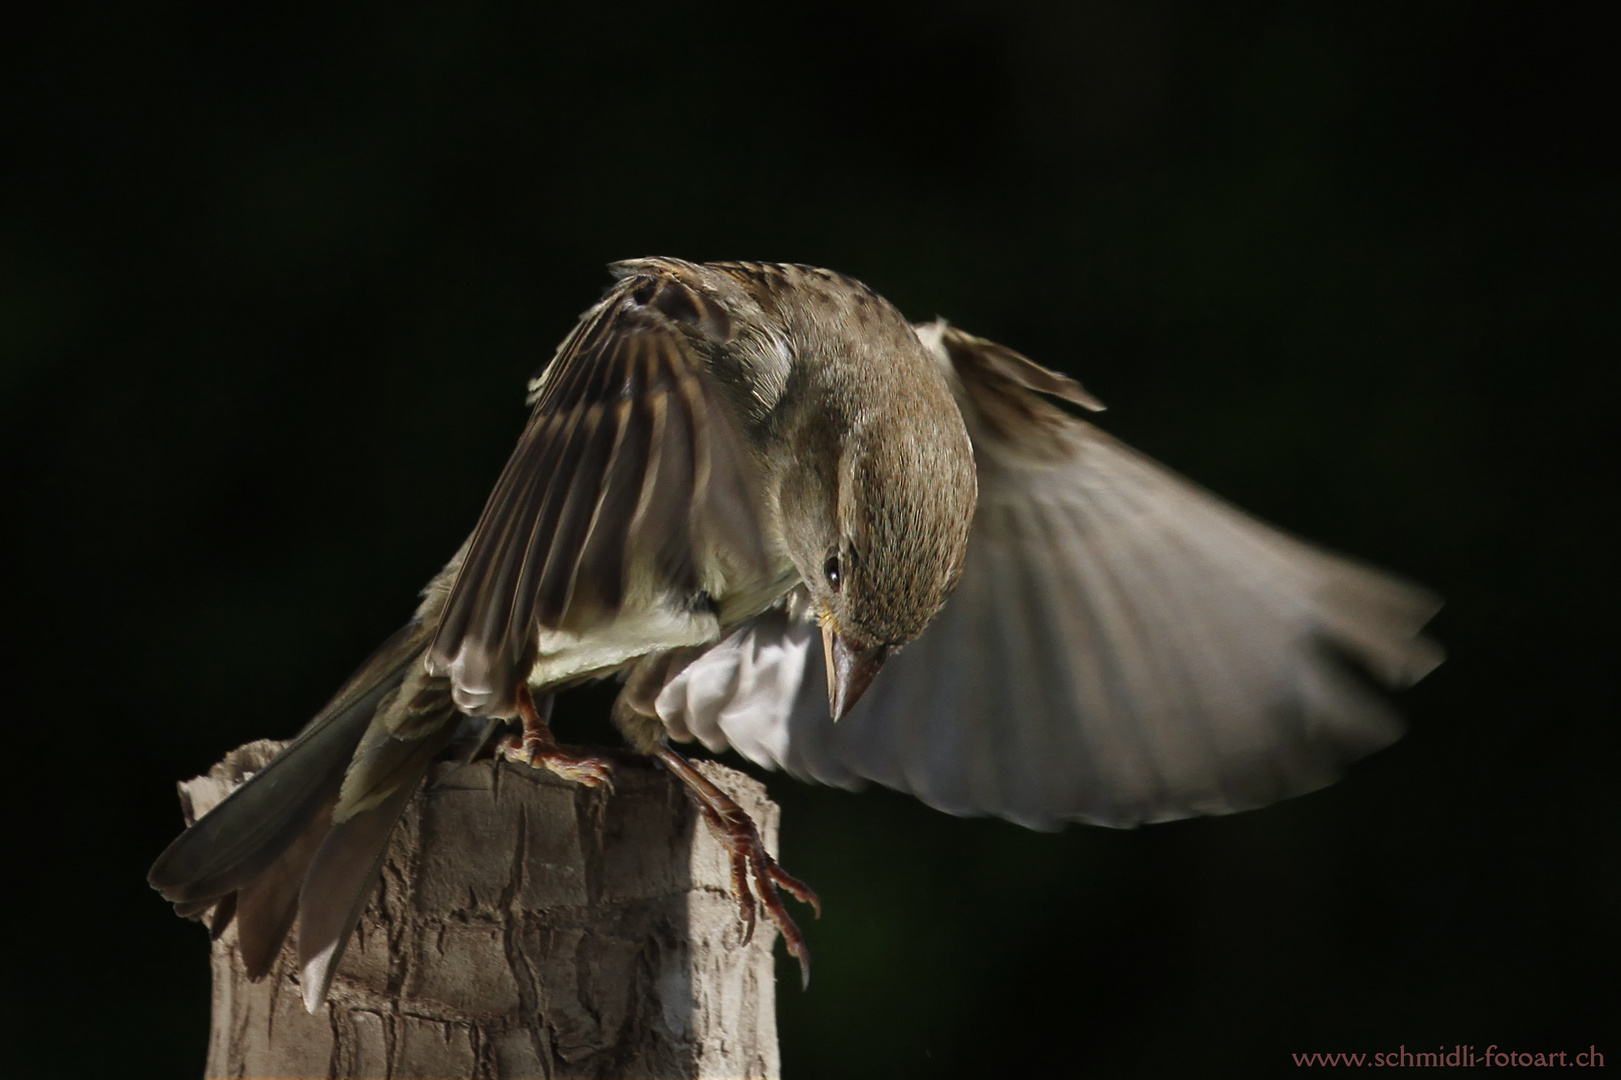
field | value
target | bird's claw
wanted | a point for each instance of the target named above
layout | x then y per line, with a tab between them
590	771
583	769
756	877
539	749
750	861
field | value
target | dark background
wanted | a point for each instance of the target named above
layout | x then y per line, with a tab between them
270	288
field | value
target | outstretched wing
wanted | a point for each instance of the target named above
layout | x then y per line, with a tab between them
1123	647
629	492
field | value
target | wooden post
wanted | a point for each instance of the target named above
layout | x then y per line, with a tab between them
524	927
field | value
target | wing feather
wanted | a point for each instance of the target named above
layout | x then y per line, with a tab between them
1123	647
630	489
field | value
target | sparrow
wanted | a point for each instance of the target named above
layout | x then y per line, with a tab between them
794	524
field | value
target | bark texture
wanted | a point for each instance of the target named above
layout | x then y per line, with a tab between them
524	927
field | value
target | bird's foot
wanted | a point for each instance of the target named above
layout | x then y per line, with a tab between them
732	826
584	769
538	748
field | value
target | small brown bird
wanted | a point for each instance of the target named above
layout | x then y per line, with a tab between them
728	461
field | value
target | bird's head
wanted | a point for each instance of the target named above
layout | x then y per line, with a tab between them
878	529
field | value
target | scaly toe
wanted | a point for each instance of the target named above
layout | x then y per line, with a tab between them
590	771
511	748
796	888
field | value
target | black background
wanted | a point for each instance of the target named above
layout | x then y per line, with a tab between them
270	288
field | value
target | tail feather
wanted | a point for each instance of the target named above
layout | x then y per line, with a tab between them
254	855
247	833
384	773
342	877
267	905
244	836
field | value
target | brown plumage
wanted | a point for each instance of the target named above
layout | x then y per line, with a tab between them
731	463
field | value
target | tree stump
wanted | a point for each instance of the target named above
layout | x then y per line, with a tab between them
524	927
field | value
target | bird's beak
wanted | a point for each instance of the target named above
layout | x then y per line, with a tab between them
850	670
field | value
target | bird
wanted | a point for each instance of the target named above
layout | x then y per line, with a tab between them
792	523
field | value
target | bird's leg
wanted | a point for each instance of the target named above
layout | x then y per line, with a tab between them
538	747
737	834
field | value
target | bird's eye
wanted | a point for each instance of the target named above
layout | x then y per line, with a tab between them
831	570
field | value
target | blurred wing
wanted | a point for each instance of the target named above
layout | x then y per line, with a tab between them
628	489
1123	647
